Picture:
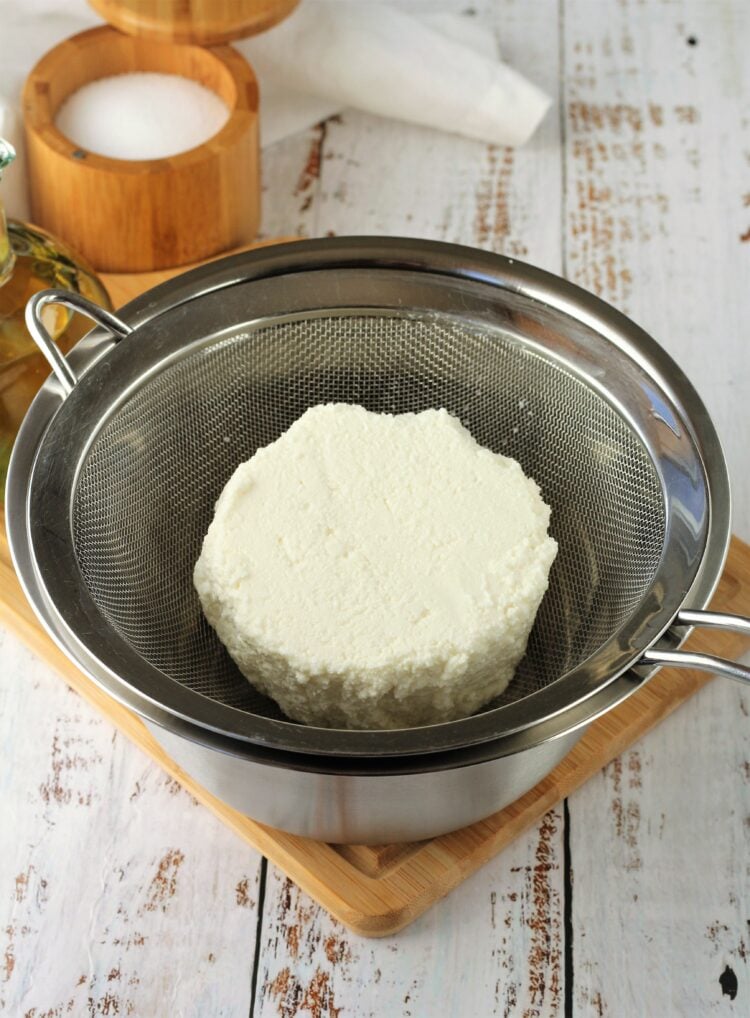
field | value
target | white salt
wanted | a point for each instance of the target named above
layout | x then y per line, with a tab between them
141	115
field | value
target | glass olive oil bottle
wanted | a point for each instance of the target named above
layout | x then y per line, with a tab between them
31	260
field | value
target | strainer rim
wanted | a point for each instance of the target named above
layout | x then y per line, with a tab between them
423	256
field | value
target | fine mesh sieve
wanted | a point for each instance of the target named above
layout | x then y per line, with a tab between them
219	363
146	492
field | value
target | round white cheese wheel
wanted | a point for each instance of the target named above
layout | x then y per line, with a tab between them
375	571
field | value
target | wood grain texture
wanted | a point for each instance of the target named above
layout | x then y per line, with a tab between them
111	904
494	948
203	22
624	958
664	833
140	215
292	169
656	122
657	135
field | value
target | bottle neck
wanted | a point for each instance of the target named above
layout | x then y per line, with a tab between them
7	258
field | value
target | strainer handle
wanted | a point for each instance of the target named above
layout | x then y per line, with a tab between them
704	662
36	304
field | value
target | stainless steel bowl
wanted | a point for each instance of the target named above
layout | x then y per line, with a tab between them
123	452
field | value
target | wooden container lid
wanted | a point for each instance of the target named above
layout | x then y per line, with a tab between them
204	22
142	215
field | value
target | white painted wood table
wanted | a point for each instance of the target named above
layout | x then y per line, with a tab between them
119	895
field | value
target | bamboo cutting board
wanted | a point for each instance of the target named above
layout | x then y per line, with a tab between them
378	890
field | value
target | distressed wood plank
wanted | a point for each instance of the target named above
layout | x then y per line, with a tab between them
290	185
658	184
496	947
116	889
662	836
657	169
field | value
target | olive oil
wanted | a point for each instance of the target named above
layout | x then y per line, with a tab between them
32	260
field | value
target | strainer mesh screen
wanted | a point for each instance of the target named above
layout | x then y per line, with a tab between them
146	492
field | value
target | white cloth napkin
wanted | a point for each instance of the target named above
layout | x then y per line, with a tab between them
286	110
440	70
378	58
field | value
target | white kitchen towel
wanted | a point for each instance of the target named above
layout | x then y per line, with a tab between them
438	69
378	58
285	111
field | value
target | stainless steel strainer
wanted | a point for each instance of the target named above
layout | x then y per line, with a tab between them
118	478
141	507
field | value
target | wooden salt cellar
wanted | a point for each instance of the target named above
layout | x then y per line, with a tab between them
142	215
205	22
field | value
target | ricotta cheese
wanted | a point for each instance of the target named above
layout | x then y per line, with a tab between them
376	571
